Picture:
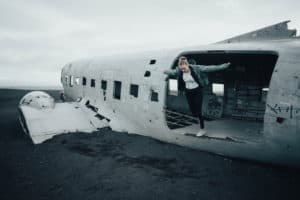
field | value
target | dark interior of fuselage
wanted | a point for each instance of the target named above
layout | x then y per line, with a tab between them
236	95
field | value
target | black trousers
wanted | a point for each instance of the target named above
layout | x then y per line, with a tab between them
194	98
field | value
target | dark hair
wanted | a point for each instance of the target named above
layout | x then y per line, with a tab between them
182	60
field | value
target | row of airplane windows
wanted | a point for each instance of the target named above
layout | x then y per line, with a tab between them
134	88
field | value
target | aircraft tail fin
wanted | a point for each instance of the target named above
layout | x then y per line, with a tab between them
273	32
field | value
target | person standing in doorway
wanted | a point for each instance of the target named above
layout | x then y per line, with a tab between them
192	79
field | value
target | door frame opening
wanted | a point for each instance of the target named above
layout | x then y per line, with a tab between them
239	93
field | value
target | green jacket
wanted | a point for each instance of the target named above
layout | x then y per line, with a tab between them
199	73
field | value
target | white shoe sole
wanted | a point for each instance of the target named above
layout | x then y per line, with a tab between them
201	133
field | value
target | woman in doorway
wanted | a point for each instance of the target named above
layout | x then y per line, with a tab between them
192	79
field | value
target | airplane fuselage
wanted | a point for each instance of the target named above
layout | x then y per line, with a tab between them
132	93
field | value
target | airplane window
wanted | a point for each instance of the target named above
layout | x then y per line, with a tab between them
77	80
93	83
103	85
134	90
147	74
152	62
71	81
83	81
154	96
66	79
117	89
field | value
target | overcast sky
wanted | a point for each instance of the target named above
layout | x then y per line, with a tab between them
38	37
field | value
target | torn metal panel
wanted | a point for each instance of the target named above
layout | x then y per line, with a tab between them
42	122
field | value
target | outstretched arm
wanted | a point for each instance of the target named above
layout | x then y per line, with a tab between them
171	72
212	68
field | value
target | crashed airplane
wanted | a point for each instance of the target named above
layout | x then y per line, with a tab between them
252	109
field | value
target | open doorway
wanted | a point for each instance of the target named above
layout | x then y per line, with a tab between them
235	99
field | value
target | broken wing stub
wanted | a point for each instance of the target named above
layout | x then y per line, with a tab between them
41	118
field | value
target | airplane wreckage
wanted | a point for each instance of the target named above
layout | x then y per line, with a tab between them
252	108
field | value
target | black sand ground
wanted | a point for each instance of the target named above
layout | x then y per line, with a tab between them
110	165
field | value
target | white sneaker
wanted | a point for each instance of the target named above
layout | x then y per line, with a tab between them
201	133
